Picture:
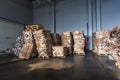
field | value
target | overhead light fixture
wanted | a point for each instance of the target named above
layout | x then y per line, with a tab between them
36	2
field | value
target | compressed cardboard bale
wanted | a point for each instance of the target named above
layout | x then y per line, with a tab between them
34	27
43	43
27	51
56	39
49	42
44	53
17	46
30	51
79	42
101	42
102	34
114	54
60	51
49	38
103	47
28	36
117	64
23	51
115	34
114	42
67	41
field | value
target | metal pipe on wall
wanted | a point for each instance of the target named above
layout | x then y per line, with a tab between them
100	15
54	6
90	23
53	15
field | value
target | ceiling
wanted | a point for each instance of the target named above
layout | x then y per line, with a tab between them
45	0
31	0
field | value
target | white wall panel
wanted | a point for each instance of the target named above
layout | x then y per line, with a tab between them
9	32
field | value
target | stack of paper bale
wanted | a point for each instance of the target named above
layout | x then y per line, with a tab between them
34	27
60	51
27	49
114	52
43	42
56	39
67	41
115	35
102	42
79	42
16	48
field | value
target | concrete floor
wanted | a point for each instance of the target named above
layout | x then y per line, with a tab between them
87	67
7	58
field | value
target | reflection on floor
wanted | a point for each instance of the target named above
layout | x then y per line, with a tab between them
87	67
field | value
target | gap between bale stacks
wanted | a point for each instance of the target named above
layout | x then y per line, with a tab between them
67	41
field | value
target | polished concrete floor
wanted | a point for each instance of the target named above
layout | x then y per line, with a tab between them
7	58
89	67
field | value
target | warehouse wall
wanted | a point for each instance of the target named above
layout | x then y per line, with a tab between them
110	13
16	10
74	15
43	15
70	16
9	31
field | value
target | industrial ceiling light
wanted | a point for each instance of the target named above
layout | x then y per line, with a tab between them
37	1
42	2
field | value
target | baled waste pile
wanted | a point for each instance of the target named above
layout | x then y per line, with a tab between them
115	34
115	44
67	41
40	42
34	27
17	46
60	51
29	48
107	43
43	42
79	42
101	42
